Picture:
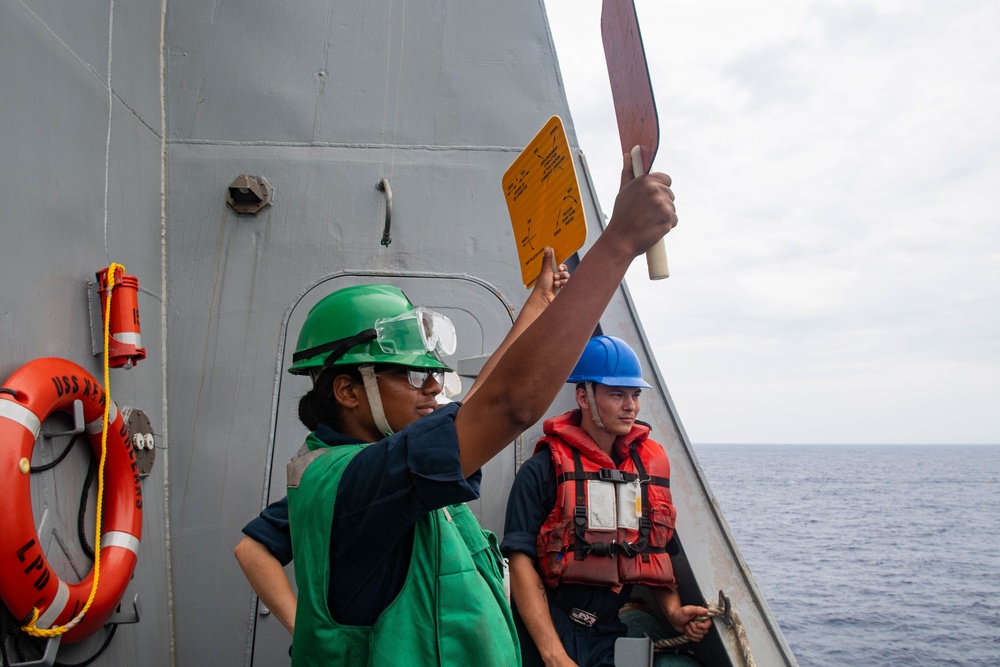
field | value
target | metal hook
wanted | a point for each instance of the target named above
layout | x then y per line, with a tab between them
121	617
383	185
48	658
727	608
78	422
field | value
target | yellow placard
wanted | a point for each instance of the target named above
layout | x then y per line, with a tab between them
544	200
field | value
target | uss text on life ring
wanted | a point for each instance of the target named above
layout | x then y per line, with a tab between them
29	396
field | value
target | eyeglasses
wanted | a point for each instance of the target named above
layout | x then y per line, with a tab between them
418	377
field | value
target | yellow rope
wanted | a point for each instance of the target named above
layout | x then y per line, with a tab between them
29	627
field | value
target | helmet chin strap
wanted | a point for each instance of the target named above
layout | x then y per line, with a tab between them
374	398
592	402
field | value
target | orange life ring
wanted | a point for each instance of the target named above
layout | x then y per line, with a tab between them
27	581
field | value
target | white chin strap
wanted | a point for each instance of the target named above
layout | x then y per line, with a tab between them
374	398
592	402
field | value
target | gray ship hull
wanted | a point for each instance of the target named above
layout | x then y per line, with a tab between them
122	125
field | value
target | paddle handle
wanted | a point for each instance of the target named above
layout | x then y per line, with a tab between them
656	256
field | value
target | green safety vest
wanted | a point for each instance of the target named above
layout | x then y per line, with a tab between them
452	609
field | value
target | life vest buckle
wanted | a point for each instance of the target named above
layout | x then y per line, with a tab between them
609	549
612	475
629	549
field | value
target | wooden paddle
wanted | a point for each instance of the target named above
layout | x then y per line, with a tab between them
638	125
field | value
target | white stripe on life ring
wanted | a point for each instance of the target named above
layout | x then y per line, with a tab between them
58	604
97	425
21	415
121	539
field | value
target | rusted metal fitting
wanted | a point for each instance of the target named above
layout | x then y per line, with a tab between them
248	194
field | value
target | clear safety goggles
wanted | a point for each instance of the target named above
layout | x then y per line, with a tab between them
415	332
451	388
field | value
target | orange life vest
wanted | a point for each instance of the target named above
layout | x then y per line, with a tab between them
610	524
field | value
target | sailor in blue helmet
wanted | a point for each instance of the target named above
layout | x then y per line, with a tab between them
589	516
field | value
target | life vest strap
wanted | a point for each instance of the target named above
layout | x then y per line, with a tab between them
613	549
581	547
612	475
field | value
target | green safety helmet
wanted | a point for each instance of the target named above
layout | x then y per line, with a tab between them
371	324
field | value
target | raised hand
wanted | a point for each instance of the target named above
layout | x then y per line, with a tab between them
644	210
550	281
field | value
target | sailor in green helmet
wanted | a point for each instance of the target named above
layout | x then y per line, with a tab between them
267	545
424	586
398	506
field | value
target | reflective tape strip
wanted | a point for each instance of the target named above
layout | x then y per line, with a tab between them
58	604
129	338
303	458
19	414
97	425
602	511
123	540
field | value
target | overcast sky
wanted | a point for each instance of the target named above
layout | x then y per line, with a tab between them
835	277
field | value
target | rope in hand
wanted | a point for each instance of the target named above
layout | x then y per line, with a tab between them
30	627
715	610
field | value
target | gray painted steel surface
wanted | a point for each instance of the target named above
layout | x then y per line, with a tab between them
323	99
75	199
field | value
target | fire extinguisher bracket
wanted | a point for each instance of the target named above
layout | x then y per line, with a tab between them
96	321
125	346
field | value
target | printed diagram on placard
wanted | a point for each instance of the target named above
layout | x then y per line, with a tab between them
543	199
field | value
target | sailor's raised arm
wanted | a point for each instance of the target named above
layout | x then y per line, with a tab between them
547	285
530	374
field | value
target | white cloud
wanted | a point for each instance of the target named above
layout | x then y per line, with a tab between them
836	273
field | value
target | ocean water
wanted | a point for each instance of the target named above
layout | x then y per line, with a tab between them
870	555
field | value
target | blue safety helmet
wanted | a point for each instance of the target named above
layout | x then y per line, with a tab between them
610	361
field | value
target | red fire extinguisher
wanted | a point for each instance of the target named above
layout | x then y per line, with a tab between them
123	321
